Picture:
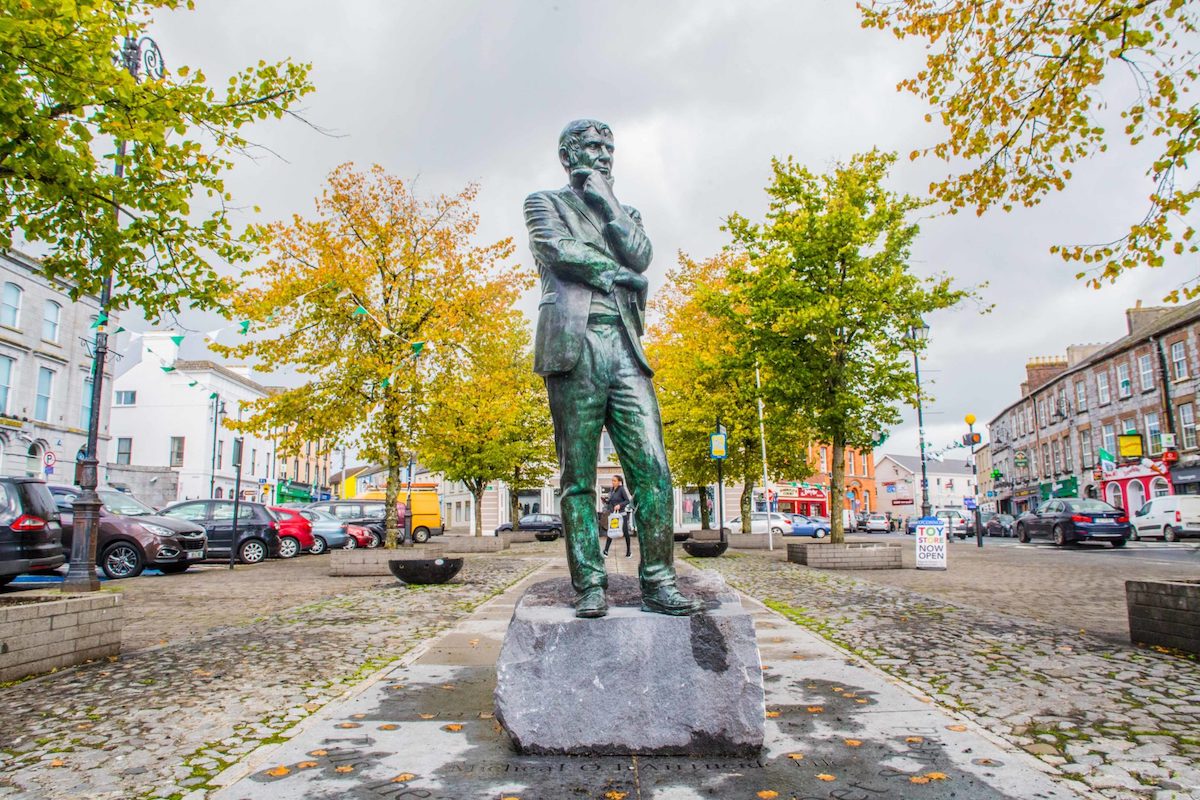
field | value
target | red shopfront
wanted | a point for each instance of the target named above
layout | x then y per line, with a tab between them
811	501
1129	487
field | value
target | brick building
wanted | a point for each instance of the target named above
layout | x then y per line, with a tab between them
1048	443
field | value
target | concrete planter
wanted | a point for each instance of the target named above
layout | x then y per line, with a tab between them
474	544
361	562
738	541
853	555
41	632
1164	613
518	537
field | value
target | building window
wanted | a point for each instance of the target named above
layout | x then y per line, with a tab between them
6	376
849	461
307	472
1057	448
1187	425
50	319
824	461
295	469
1068	455
606	448
1146	372
176	451
1124	385
45	387
1179	360
1153	432
124	451
125	397
1041	413
1108	435
1129	426
1080	396
1046	460
253	459
10	305
1086	458
1102	396
1159	488
220	452
85	407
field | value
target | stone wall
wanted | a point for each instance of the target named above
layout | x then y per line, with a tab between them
363	562
42	632
1164	613
846	556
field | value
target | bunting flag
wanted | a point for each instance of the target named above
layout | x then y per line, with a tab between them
102	319
360	311
178	340
244	326
417	347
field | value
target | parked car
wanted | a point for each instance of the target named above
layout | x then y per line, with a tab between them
358	536
877	523
295	532
548	527
1171	517
426	509
327	530
958	522
257	534
802	525
1001	525
132	535
30	533
1071	519
367	514
778	523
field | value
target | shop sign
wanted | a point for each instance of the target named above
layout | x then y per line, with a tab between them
1185	475
1020	459
931	543
902	501
1170	456
1129	445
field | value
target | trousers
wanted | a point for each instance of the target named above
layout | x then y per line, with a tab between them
608	389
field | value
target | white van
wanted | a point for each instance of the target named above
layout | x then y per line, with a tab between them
1171	517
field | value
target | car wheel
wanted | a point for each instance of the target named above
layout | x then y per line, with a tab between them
1060	536
289	547
351	543
252	551
777	531
555	532
173	569
821	533
122	560
318	546
1118	543
372	539
1133	533
421	535
1022	534
1170	534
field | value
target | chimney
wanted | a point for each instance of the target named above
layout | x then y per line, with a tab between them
1140	317
1043	369
1078	353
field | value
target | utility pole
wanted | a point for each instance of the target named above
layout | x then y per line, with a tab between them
762	438
81	575
970	440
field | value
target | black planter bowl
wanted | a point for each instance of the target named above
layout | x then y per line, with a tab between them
546	536
425	570
705	549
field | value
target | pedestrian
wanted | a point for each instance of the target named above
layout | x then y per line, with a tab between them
618	503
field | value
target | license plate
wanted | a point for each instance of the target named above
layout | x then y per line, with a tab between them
195	554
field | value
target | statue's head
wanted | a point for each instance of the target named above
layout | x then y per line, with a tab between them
586	144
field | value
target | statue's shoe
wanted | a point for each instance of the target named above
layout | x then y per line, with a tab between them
669	600
591	603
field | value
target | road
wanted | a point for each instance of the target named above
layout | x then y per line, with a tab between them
1151	552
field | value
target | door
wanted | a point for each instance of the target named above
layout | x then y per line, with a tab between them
220	526
64	501
196	512
1145	522
35	500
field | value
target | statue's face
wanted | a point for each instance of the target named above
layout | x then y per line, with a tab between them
595	152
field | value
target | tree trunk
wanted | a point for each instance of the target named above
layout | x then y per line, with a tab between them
477	493
391	517
837	480
514	502
705	513
744	503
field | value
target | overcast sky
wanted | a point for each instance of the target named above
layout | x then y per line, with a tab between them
700	96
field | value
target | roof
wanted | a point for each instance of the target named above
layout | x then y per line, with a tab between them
1163	323
226	372
348	472
949	466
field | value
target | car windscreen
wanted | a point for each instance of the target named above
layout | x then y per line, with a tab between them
1089	506
123	505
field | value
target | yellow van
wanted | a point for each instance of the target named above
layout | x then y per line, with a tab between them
426	510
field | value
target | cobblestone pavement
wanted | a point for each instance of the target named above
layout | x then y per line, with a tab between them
162	722
1122	720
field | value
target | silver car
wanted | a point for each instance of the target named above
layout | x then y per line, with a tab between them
877	523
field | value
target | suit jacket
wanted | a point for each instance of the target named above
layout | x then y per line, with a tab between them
577	256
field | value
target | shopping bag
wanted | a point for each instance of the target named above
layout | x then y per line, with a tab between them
614	526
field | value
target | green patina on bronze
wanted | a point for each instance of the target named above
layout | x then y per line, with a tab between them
591	253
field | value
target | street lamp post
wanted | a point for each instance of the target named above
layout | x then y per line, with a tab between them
918	333
236	455
218	413
81	575
971	439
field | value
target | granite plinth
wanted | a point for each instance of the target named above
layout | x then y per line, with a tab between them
631	682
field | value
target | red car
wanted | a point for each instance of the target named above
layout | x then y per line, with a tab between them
295	532
360	537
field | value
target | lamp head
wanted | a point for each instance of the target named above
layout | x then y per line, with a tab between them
969	419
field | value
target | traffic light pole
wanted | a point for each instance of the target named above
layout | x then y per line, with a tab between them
971	439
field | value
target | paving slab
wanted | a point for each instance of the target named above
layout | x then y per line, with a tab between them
835	729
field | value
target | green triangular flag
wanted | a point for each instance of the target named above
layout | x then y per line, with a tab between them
212	396
120	329
417	348
386	382
244	326
178	340
102	319
193	383
358	312
168	369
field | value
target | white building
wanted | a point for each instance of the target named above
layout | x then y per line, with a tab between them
898	481
169	414
45	372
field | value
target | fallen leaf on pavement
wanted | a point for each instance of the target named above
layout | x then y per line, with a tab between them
615	795
403	777
767	794
278	772
914	739
344	768
956	728
825	776
815	709
388	726
936	776
58	762
796	756
306	765
918	779
348	725
452	727
853	743
772	714
318	753
425	716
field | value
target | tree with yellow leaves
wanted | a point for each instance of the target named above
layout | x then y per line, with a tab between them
704	370
369	299
490	420
1017	84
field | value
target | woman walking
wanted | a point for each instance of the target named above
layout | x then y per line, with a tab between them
618	503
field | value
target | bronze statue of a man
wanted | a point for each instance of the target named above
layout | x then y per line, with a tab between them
591	252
